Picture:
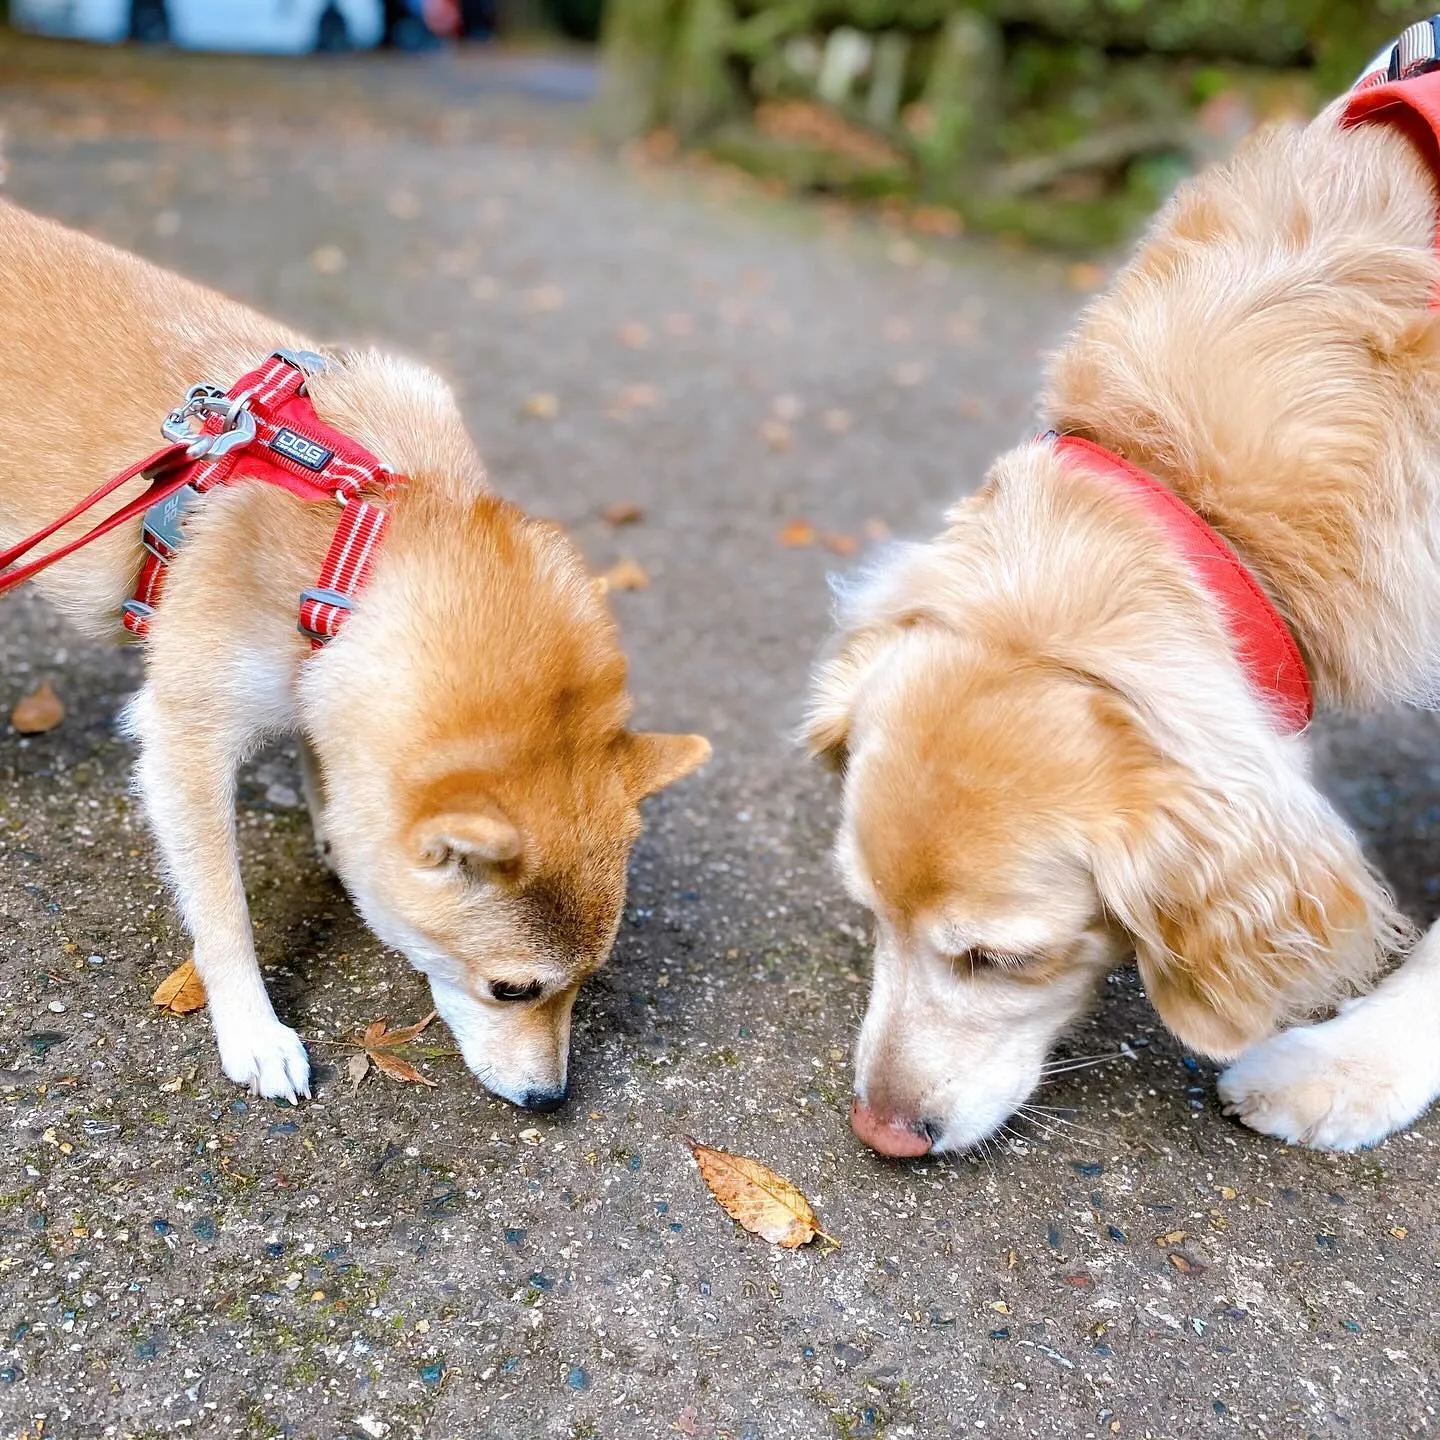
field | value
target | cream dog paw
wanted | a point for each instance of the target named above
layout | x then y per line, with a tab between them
1336	1086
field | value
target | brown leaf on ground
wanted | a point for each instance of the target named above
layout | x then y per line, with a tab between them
797	534
378	1049
624	512
544	297
775	433
632	397
1084	275
936	220
756	1197
377	1037
839	544
541	407
181	991
626	575
388	1063
38	712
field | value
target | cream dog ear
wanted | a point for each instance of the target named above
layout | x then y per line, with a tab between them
1249	909
834	688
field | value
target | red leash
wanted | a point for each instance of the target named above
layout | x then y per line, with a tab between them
263	428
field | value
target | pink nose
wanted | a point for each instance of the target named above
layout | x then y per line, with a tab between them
888	1134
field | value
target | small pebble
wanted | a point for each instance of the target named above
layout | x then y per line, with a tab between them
56	1007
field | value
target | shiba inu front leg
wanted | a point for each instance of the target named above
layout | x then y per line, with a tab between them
312	782
186	778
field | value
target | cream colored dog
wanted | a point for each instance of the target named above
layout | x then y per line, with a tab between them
468	766
1052	757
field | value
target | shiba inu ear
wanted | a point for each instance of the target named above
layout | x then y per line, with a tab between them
655	761
471	838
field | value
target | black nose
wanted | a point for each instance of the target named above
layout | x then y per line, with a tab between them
544	1100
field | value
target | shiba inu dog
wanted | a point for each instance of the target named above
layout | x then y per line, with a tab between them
467	759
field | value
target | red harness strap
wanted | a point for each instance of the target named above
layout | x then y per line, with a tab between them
263	428
1262	639
1404	92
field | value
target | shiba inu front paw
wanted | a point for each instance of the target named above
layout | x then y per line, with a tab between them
269	1058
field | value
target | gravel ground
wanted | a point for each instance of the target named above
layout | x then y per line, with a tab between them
386	1260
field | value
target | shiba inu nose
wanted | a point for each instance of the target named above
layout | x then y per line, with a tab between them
544	1100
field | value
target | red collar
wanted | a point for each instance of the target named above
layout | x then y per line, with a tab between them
263	428
1263	642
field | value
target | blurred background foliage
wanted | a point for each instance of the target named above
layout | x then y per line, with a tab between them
1063	121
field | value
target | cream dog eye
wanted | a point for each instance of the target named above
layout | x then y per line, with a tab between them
996	959
502	990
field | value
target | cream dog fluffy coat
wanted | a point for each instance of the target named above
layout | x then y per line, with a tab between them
1051	755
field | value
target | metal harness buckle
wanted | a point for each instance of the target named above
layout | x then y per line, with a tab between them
238	424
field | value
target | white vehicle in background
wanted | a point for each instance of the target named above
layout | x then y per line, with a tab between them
273	27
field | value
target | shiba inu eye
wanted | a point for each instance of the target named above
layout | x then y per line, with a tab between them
503	991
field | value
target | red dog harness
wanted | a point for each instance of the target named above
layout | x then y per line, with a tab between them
1401	88
1262	639
263	428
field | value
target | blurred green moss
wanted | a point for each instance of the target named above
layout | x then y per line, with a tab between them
1065	121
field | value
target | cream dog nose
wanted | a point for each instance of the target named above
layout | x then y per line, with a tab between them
889	1134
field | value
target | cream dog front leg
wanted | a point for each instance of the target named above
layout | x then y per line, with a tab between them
1351	1081
190	746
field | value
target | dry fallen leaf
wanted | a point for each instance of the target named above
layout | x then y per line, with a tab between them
936	220
544	297
775	433
358	1068
38	712
634	334
625	512
402	204
1084	275
756	1197
181	991
838	543
797	534
1184	1265
328	259
626	575
542	407
633	397
1171	1237
380	1045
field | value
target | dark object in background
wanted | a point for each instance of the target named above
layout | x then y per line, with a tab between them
423	24
478	18
149	22
579	19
